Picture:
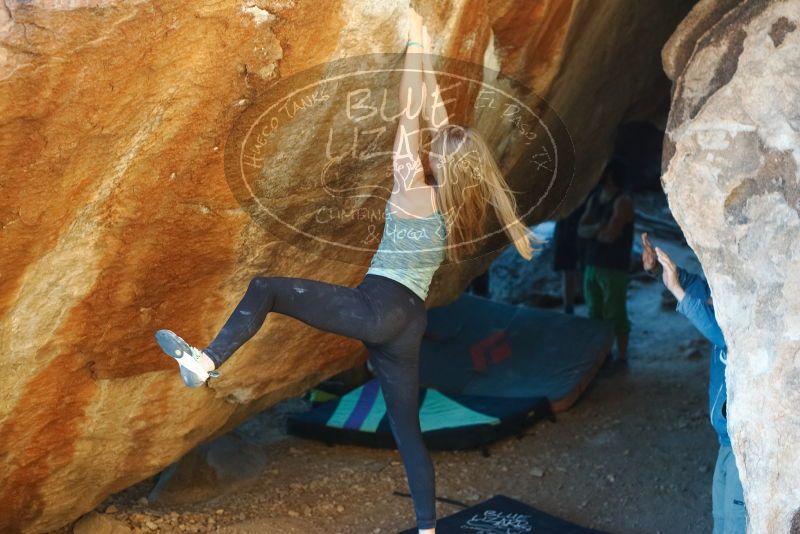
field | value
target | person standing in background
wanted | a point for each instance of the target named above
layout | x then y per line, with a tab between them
607	226
567	256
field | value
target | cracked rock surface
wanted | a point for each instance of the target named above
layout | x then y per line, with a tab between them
732	158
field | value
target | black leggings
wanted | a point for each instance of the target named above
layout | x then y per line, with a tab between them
388	318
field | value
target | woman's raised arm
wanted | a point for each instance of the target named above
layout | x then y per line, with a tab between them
435	110
406	161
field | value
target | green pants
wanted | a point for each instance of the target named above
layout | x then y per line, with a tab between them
606	294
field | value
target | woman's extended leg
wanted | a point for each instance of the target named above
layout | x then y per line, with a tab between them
333	308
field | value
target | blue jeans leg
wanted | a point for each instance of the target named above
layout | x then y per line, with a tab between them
727	495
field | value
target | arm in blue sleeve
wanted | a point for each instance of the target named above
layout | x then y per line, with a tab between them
686	278
696	308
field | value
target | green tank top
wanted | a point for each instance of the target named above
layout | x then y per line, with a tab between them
411	250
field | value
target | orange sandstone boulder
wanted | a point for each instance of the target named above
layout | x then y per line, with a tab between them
117	217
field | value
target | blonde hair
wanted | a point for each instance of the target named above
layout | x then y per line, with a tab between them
468	181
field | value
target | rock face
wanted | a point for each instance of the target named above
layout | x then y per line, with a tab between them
732	157
116	218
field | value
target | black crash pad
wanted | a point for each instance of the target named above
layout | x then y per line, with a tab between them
504	515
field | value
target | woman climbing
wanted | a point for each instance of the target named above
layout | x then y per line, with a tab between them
446	214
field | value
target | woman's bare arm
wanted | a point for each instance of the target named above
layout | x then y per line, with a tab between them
435	110
406	161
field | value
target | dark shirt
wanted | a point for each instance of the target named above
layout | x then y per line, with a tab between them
614	255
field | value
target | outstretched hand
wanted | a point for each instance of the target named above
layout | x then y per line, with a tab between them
670	276
649	260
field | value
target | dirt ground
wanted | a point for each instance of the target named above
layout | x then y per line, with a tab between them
634	455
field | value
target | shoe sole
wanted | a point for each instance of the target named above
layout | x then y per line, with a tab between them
174	346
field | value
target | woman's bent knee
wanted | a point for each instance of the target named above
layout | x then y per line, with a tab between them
259	284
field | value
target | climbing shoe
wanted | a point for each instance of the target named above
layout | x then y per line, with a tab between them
193	373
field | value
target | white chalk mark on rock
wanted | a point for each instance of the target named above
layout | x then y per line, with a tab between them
259	14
